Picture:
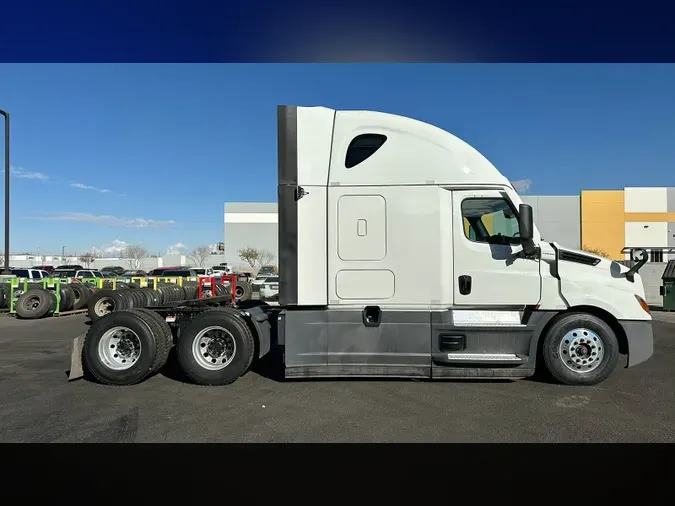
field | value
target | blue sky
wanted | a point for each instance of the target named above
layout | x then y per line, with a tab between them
107	155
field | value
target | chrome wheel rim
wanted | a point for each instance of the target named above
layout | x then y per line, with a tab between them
214	348
581	350
119	348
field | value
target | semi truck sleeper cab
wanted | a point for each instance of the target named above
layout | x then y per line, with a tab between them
365	200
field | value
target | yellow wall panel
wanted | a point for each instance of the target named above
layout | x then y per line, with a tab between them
602	222
649	217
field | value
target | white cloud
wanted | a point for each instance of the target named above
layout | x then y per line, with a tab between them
115	248
522	185
90	188
177	249
112	221
22	173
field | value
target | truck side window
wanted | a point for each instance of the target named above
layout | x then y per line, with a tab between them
362	147
490	220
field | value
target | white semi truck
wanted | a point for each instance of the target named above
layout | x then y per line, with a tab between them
366	199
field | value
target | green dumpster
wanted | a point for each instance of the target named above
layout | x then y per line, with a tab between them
668	287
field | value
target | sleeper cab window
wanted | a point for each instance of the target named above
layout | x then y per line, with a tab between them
490	220
362	147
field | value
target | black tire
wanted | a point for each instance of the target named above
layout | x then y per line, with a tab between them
604	344
222	290
67	298
121	285
105	300
5	294
133	285
139	298
35	303
163	327
191	289
161	294
82	295
243	291
233	323
131	298
153	350
151	298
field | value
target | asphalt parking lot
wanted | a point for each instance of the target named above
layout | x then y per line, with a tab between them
38	404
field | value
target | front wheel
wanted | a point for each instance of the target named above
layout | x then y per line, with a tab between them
580	349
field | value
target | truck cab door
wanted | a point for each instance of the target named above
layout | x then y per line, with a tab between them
489	266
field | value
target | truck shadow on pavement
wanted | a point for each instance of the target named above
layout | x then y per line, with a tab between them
270	366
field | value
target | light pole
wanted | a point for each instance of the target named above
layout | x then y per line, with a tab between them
63	254
6	115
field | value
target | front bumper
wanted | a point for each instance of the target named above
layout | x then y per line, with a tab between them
640	337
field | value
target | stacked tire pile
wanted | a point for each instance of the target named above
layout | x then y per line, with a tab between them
131	296
5	291
38	302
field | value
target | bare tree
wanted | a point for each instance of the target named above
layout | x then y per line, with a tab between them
249	255
2	261
134	256
266	257
87	259
200	254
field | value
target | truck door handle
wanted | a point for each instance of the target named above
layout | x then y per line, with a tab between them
465	285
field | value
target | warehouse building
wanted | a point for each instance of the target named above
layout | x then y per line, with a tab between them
603	220
632	217
250	225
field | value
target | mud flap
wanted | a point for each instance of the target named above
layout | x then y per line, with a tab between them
76	365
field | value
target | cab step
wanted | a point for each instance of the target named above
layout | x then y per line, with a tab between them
485	358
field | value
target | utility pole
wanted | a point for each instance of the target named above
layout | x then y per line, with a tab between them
6	115
63	253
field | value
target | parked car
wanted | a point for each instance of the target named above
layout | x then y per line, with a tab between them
223	267
109	274
169	272
134	274
204	271
257	283
48	268
269	290
267	270
75	273
69	267
29	273
160	271
116	269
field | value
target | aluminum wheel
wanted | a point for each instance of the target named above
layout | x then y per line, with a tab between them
214	348
104	306
119	348
581	350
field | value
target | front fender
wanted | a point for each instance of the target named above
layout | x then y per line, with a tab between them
621	304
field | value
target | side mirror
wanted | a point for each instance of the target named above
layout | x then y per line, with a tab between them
526	226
